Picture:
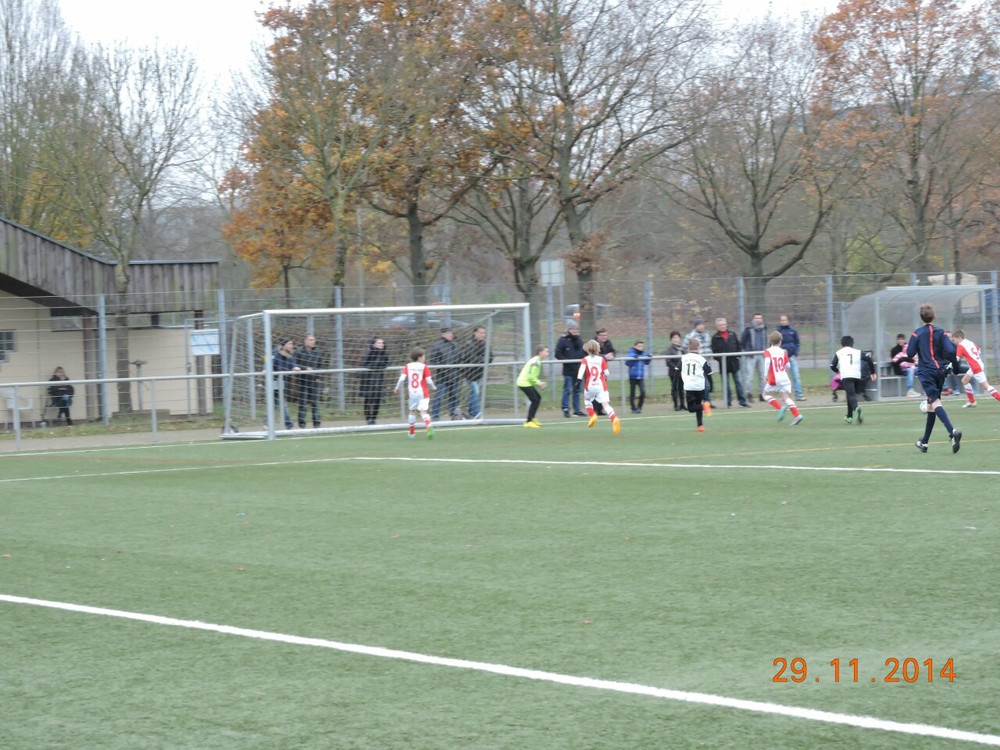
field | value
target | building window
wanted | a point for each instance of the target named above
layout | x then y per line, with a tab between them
6	344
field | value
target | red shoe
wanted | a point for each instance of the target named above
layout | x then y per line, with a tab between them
701	428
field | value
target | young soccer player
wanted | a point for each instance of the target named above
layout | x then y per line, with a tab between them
776	366
529	383
977	370
848	362
937	359
593	373
417	376
694	371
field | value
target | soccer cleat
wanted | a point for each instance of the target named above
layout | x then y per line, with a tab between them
531	424
848	420
857	412
707	408
970	405
430	433
956	441
921	446
411	436
912	394
798	419
536	423
616	425
592	421
701	428
782	412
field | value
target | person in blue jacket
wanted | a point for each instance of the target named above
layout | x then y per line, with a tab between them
637	360
790	343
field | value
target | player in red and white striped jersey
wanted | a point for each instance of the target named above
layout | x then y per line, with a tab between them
417	376
776	365
594	374
977	370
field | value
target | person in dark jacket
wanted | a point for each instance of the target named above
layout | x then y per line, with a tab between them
442	358
754	339
569	348
309	357
674	352
791	344
375	361
724	341
283	361
61	394
474	353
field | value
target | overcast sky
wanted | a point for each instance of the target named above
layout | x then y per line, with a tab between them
220	32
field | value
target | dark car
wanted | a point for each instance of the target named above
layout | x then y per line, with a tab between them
413	320
601	309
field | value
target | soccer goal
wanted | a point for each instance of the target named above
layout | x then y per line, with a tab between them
262	400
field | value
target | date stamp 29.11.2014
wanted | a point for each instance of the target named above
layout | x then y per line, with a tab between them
894	669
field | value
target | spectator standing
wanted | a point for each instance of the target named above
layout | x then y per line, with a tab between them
754	339
375	361
725	342
937	358
903	365
283	361
790	343
442	358
637	360
705	350
61	394
476	356
569	348
674	370
309	357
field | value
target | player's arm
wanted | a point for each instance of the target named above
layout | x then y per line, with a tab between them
399	383
835	363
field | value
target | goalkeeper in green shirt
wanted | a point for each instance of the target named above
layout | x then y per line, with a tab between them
529	383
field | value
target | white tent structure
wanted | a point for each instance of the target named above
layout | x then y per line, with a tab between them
875	319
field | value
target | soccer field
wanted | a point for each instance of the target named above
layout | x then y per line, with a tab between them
754	586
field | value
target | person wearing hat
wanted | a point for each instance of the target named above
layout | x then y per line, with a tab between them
569	348
442	358
705	340
283	361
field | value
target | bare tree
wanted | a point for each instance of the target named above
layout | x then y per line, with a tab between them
135	122
601	85
753	168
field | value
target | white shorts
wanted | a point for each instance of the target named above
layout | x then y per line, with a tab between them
419	403
979	377
600	397
782	385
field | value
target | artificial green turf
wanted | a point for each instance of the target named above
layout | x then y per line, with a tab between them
692	577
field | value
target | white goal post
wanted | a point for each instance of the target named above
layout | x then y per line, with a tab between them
261	402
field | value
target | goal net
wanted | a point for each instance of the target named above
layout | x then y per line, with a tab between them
348	388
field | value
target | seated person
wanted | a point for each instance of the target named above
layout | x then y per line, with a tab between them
61	394
903	365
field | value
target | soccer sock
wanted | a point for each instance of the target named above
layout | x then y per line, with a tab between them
697	415
413	424
969	394
929	426
611	412
993	392
427	422
795	410
943	416
590	409
773	402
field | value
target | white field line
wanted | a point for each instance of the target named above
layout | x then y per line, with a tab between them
809	714
508	461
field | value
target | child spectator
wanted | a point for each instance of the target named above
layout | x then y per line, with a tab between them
637	360
903	365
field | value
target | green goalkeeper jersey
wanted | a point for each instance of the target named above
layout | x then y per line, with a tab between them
530	373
